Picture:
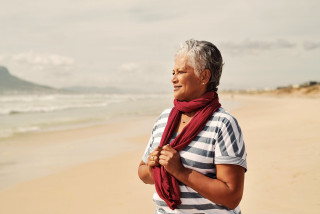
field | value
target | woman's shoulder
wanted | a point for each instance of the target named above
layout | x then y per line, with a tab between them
165	113
223	116
163	117
221	112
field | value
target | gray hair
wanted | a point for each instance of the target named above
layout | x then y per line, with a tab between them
203	55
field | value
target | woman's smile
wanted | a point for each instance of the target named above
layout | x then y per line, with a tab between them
175	88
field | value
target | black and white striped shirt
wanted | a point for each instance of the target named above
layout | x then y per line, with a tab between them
220	142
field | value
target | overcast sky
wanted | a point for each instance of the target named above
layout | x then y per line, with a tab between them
130	44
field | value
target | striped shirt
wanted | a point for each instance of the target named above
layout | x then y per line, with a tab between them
220	142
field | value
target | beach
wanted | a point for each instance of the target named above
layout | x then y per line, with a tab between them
93	169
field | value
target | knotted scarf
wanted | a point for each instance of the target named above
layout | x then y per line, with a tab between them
166	185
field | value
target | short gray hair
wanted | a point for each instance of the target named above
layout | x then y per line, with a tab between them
203	55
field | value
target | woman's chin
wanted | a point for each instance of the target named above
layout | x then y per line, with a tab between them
180	99
177	96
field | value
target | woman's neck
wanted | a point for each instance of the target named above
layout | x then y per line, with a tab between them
189	114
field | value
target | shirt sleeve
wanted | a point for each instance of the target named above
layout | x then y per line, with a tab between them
230	147
151	145
156	134
148	149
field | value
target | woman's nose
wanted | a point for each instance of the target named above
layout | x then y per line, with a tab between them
174	78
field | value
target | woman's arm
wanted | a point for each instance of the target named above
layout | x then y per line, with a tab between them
145	169
226	190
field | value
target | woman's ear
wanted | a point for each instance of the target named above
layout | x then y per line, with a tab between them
205	76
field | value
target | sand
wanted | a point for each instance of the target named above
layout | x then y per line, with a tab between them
283	144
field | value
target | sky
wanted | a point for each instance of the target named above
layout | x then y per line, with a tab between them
131	44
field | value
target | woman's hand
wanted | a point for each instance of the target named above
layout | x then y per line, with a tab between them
170	159
145	169
153	159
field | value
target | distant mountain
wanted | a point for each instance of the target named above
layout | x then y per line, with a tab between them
12	84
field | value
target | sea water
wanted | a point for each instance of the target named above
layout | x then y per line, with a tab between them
34	113
20	114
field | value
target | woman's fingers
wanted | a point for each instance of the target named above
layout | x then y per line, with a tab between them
163	155
167	148
153	159
170	159
154	155
168	152
158	148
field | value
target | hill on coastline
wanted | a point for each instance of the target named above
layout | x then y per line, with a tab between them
307	88
12	84
310	88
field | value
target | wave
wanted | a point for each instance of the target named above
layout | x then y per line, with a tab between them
9	132
23	114
18	104
11	105
46	109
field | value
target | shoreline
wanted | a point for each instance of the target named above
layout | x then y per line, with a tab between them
281	136
33	155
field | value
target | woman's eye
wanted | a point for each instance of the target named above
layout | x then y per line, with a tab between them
178	72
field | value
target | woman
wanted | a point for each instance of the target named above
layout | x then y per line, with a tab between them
196	155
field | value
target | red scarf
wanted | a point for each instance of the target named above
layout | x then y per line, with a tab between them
166	185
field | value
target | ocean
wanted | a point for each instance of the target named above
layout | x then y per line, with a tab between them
22	114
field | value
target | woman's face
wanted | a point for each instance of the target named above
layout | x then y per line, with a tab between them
186	85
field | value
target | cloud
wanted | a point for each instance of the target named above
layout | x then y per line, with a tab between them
42	59
44	68
148	13
311	45
141	75
129	68
49	65
254	46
